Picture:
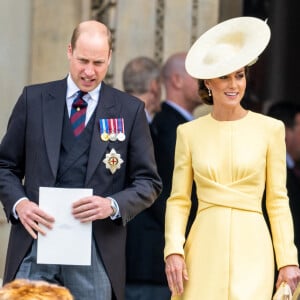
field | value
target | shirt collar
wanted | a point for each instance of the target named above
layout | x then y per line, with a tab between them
289	161
73	89
148	116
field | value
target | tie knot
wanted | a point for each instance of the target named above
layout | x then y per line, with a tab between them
78	101
80	94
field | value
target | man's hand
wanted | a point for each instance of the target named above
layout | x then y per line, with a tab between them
92	208
31	216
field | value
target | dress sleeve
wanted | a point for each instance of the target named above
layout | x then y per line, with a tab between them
179	202
277	201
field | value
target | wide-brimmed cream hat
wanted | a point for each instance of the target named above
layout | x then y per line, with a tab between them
227	47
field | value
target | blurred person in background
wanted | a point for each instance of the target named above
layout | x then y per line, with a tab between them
182	98
141	78
289	114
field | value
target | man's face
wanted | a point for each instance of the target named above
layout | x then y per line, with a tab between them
155	100
191	91
89	61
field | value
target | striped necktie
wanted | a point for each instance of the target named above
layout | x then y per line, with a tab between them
78	113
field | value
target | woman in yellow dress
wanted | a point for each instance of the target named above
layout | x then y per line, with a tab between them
233	155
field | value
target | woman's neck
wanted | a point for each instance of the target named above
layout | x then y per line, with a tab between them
221	114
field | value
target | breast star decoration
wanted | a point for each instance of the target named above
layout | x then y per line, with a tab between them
113	161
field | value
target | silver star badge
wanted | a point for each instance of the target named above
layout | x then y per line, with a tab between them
113	161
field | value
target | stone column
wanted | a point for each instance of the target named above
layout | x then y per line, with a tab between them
52	25
15	24
135	34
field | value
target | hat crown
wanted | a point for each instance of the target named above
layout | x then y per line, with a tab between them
231	43
227	47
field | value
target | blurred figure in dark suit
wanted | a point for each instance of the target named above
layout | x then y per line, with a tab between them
145	277
289	114
182	98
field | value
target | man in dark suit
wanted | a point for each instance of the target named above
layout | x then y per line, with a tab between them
110	152
289	114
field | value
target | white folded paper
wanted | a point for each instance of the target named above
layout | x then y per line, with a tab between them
69	242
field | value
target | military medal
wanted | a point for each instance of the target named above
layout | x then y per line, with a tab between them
104	136
121	136
113	161
103	130
121	131
112	130
113	137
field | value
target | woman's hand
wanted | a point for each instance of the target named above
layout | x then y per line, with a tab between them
290	275
176	273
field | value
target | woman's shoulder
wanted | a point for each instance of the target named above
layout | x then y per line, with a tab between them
265	120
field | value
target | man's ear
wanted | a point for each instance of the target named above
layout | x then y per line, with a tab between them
153	86
69	51
109	57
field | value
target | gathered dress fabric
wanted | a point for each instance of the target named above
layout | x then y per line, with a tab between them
229	250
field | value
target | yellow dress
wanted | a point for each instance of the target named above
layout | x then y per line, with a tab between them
229	251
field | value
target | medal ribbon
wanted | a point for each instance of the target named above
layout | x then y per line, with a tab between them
111	126
103	125
120	125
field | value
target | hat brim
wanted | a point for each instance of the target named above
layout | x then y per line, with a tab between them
227	47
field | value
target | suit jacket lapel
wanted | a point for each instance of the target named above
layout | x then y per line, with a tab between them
54	101
107	108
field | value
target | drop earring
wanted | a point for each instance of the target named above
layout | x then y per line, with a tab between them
209	93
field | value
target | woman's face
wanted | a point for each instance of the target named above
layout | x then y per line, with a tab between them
228	90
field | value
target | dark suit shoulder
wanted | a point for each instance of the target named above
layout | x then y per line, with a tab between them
122	96
34	95
47	85
168	114
168	118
